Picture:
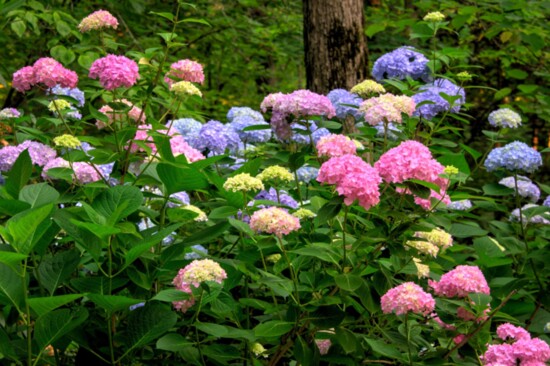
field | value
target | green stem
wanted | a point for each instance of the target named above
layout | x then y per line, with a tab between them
344	258
407	331
296	296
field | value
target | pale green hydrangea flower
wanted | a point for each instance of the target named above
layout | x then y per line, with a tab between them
243	182
67	141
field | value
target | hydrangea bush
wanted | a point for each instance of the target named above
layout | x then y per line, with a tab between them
348	229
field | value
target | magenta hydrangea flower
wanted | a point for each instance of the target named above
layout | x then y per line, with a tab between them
274	220
460	282
180	146
335	145
100	19
83	172
46	71
508	331
407	297
387	108
185	70
115	71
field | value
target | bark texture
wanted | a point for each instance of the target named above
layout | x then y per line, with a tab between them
335	44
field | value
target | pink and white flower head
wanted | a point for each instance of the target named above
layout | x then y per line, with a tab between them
46	71
83	172
274	220
135	114
98	20
387	108
460	282
407	297
185	70
114	71
335	145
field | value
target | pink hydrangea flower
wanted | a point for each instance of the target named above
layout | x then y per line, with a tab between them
460	282
387	108
185	70
100	19
274	220
46	71
407	297
467	315
115	71
525	351
508	331
499	355
441	323
459	338
83	172
180	146
323	345
134	114
335	145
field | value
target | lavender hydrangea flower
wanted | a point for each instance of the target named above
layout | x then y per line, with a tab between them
177	199
461	205
504	117
198	252
547	201
239	123
215	137
271	195
8	113
303	138
307	173
136	306
537	219
237	112
400	63
74	93
431	92
339	97
146	223
186	127
40	154
526	188
391	128
515	156
8	156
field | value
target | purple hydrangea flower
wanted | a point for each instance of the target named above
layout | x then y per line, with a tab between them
40	154
198	252
177	199
237	112
8	113
504	117
400	63
537	219
391	128
547	201
339	97
461	205
8	156
146	223
515	156
271	195
302	138
431	92
215	137
70	92
135	306
239	123
307	173
526	188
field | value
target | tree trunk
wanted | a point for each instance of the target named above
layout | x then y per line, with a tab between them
335	44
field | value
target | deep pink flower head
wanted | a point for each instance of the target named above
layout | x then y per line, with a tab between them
460	282
100	19
180	146
499	355
185	70
46	71
83	172
407	297
508	331
525	352
274	220
115	71
335	145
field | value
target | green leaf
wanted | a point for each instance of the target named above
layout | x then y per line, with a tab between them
466	230
12	259
11	287
495	189
241	226
12	207
63	28
384	349
6	348
272	328
52	326
329	210
203	236
324	252
61	53
165	15
194	20
502	93
19	174
374	28
328	316
54	270
346	339
173	342
118	202
38	194
170	295
180	178
303	352
18	26
97	285
43	305
216	330
112	303
223	212
348	282
27	227
517	74
147	243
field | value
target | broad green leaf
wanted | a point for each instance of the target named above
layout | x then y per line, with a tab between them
52	326
170	295
304	352
329	211
173	342
6	348
502	93
13	207
101	231
19	174
384	349
97	285
324	252
43	305
27	227
466	230
326	317
112	303
12	259
273	328
147	243
216	330
54	270
203	236
38	194
180	178
118	202
241	226
495	189
348	282
11	287
346	339
222	212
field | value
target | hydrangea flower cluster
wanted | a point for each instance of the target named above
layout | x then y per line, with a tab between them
192	275
335	145
422	270
405	298
74	93
198	251
504	117
536	219
435	241
184	88
460	282
304	213
461	205
238	112
515	156
343	102
432	93
68	141
526	188
299	135
243	182
283	198
546	201
215	137
58	105
83	172
367	88
239	123
354	179
46	71
434	17
98	20
387	108
307	173
413	160
523	350
185	70
274	220
114	71
323	345
8	113
401	63
40	154
135	114
276	174
186	127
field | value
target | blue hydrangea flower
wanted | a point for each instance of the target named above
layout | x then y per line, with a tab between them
504	117
74	93
547	201
461	205
186	126
537	219
400	63
239	123
237	112
526	188
215	137
198	252
515	156
271	195
307	173
146	223
303	138
135	306
177	199
391	128
339	97
431	92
